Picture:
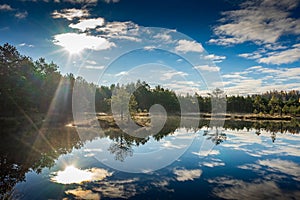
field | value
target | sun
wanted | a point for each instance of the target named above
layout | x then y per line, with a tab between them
71	42
72	174
72	47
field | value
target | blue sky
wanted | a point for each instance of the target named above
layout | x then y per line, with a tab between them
190	46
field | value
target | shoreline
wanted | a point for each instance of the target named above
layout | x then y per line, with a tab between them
231	116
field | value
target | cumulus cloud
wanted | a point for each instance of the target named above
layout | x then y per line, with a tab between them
80	193
85	24
283	166
83	41
72	175
71	13
120	30
187	175
111	1
261	22
214	58
254	55
213	164
84	2
277	73
164	36
123	73
120	189
206	152
25	45
207	68
264	23
149	48
283	57
170	145
188	46
117	28
21	15
6	7
170	74
183	87
258	189
94	67
266	79
18	14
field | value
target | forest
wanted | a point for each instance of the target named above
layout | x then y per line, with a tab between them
30	87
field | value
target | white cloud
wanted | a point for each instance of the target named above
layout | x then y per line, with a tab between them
80	193
120	30
149	48
170	74
244	87
207	68
84	2
207	152
213	164
280	56
120	189
21	15
235	75
70	14
254	68
283	166
283	57
187	175
6	7
125	37
261	21
83	41
85	24
123	73
257	79
72	174
258	189
163	37
111	1
26	45
94	67
215	58
277	73
168	145
183	87
188	46
91	62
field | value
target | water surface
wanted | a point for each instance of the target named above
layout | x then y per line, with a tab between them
243	160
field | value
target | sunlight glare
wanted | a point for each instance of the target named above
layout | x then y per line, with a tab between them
71	46
74	43
72	175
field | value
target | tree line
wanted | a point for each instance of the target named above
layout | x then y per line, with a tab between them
28	87
271	102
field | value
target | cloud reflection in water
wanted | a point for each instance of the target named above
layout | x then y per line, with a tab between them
72	175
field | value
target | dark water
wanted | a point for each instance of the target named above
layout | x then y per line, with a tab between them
244	160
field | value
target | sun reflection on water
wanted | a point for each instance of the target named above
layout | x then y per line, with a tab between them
73	175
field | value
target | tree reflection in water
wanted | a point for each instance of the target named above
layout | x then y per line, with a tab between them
23	150
121	148
216	135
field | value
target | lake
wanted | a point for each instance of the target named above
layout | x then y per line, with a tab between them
242	160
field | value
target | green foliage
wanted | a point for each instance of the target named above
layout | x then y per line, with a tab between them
28	86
